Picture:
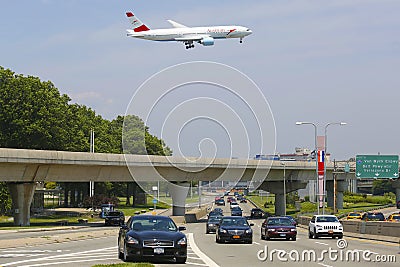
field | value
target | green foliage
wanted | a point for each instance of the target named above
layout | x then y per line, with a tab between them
382	186
308	207
97	200
362	198
50	185
34	115
5	199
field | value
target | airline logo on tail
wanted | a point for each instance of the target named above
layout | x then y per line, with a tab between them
187	35
138	26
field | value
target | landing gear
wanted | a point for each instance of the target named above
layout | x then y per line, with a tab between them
189	45
241	40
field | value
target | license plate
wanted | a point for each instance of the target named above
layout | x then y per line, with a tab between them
330	232
282	235
158	250
236	236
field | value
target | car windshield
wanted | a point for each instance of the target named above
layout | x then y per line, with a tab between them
234	221
397	217
327	219
377	216
114	213
153	224
354	214
280	222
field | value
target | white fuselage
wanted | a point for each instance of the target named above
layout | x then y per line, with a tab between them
181	34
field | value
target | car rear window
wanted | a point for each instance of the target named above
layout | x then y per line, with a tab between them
376	216
280	222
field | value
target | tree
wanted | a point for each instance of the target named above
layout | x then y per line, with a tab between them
5	199
382	186
34	115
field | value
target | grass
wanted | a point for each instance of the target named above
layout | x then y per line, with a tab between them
139	264
308	207
130	211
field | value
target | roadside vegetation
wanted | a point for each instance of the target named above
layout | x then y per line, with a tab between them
35	115
351	202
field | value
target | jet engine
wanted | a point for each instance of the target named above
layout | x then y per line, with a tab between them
207	41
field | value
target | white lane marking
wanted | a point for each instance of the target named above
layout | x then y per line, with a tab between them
325	244
209	262
325	265
62	262
58	256
32	251
256	243
194	263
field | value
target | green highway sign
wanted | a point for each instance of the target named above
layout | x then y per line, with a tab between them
377	166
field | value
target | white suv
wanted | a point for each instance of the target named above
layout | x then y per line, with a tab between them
325	225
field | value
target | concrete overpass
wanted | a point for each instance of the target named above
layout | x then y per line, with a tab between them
24	168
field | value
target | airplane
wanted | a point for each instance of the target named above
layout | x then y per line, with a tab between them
188	35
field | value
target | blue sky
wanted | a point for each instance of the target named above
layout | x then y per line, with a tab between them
319	61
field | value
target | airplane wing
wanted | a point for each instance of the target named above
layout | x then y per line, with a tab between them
176	24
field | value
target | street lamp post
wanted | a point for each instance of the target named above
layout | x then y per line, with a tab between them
284	187
316	156
326	152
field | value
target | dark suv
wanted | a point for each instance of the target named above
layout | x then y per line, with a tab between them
256	213
398	204
114	218
373	216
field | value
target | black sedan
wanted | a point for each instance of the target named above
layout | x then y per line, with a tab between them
234	229
256	213
212	222
237	211
152	237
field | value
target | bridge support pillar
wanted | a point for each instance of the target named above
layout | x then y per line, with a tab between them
178	193
396	185
276	187
341	187
22	195
330	193
280	208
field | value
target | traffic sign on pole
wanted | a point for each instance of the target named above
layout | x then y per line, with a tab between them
377	166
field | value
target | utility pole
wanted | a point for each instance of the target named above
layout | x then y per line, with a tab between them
91	183
334	186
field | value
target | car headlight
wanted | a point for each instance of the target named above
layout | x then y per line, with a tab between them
132	240
293	230
210	224
182	241
271	230
248	231
223	231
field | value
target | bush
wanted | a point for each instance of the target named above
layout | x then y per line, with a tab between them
97	200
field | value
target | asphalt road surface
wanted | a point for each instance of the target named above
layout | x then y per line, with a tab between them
204	251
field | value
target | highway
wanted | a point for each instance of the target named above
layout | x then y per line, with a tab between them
204	251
